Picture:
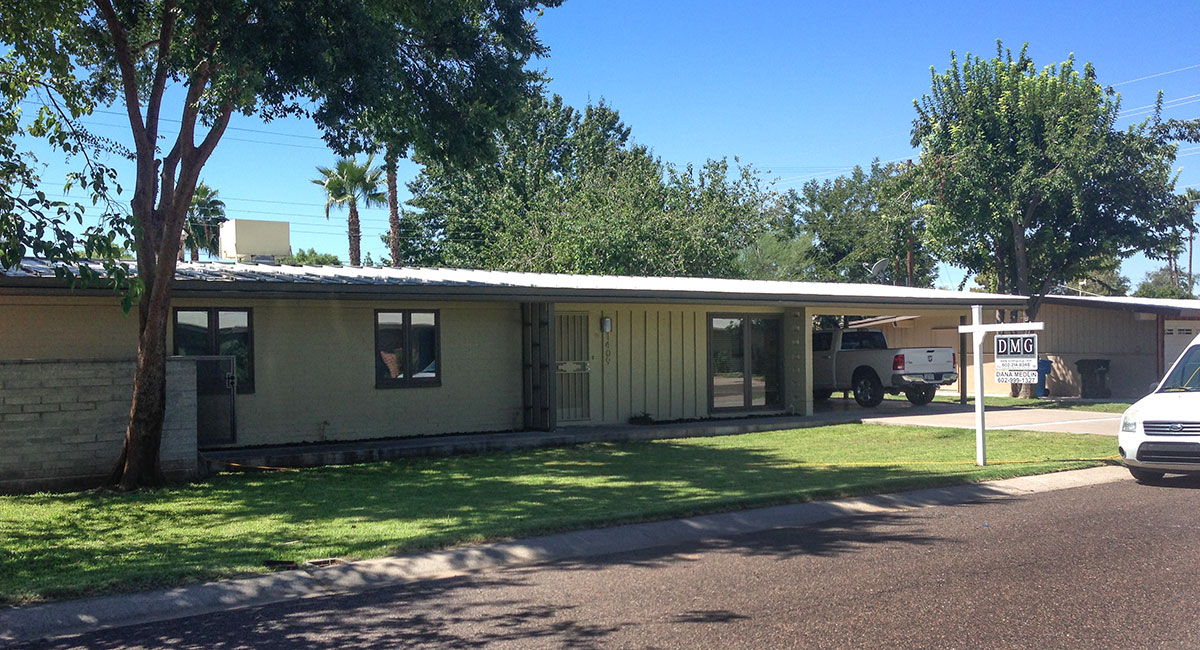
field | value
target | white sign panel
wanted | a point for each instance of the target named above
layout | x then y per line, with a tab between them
1016	352
1016	376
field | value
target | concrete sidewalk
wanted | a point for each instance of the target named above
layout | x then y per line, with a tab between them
75	617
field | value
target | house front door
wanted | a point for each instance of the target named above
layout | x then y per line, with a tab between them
573	370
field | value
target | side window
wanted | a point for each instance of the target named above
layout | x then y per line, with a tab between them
850	340
822	341
872	340
407	349
216	331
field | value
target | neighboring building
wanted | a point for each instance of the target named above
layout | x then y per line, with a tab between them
340	353
1139	337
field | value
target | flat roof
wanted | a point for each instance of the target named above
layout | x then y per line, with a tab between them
349	282
1164	306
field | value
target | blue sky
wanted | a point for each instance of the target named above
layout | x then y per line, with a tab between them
799	90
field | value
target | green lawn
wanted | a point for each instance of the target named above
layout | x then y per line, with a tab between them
1017	402
68	545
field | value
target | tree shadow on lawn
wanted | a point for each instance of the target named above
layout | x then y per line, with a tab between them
232	524
513	606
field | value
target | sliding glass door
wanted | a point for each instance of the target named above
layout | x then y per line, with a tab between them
744	362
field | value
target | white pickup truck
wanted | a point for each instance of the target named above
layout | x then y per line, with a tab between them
859	360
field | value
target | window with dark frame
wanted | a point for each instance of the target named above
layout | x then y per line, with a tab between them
745	362
218	331
407	348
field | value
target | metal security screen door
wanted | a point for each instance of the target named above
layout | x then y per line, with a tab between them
216	385
572	376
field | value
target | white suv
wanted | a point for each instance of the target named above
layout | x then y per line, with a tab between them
1160	433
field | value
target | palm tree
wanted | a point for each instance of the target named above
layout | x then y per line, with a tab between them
347	184
393	200
202	230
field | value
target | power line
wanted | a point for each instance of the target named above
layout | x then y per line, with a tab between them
1158	74
223	139
168	119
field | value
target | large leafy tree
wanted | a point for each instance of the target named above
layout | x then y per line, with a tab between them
202	228
439	66
1034	185
569	191
856	221
347	184
311	257
1166	282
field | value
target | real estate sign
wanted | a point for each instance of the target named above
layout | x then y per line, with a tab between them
1016	358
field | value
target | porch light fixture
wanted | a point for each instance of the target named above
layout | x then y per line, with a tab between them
605	324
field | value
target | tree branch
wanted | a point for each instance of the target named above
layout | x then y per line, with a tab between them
128	76
165	33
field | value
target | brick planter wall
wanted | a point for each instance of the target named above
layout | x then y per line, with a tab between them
62	422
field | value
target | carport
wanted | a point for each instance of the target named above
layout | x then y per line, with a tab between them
1137	339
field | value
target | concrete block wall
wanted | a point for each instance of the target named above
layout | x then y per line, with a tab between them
62	422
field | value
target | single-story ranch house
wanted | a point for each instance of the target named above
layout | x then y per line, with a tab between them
342	353
324	354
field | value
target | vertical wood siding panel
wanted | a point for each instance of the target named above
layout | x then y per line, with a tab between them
677	361
701	386
652	362
664	365
637	366
688	385
625	377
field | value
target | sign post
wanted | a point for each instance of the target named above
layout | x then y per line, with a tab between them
1019	354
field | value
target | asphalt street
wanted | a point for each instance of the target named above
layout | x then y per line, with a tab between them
1110	565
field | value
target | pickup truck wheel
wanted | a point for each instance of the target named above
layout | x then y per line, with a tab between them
920	395
868	390
820	395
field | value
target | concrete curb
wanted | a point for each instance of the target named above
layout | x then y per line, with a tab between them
79	616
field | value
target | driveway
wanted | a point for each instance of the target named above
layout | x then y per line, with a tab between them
899	412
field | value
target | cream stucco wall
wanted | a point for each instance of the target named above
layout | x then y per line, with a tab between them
315	372
313	363
66	328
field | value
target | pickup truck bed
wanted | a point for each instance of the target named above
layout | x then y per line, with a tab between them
860	361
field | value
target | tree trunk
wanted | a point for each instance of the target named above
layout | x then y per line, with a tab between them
393	210
355	234
138	465
1021	262
159	244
